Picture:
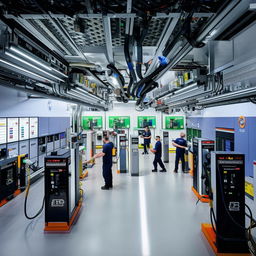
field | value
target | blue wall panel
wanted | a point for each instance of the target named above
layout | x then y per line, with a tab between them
43	126
245	139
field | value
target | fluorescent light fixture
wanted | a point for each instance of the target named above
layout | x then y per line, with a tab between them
24	70
86	93
29	58
84	96
84	99
35	61
59	72
33	66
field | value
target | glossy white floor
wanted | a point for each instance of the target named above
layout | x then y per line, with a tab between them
154	214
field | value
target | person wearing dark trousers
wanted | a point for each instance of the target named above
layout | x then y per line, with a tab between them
107	163
147	138
158	155
181	145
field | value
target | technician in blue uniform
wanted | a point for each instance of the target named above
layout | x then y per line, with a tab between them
158	155
147	138
107	163
181	145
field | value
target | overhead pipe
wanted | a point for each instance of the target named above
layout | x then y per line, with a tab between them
120	80
44	95
239	8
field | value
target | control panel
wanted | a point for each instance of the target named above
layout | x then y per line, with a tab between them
134	156
8	178
57	188
228	187
202	172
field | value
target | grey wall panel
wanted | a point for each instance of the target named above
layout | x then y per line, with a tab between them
13	149
33	152
43	126
223	53
41	160
24	147
244	44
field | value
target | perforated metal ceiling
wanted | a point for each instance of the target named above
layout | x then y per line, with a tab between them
91	31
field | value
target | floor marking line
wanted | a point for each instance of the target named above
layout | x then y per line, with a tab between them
143	219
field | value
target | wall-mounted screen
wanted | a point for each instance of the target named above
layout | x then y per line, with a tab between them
3	129
144	121
24	128
33	127
119	122
174	122
91	122
13	129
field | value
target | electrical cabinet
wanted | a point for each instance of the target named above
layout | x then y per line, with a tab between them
13	149
49	145
61	186
33	151
201	154
24	147
63	140
56	139
8	178
134	156
41	151
122	151
227	182
166	147
3	151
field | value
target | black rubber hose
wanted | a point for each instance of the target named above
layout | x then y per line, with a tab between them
120	80
146	89
119	77
129	62
140	49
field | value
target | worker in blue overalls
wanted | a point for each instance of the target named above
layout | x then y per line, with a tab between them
107	163
147	138
181	145
158	155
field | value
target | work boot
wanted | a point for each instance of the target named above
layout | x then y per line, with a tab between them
105	187
164	170
154	170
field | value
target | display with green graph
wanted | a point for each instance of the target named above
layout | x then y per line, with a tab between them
119	122
193	133
91	122
174	122
144	121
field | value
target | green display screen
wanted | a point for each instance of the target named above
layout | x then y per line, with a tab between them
119	122
193	133
174	122
144	121
91	122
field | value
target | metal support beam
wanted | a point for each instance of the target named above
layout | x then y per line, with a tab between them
66	35
108	38
110	15
41	24
169	27
40	94
29	27
215	26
